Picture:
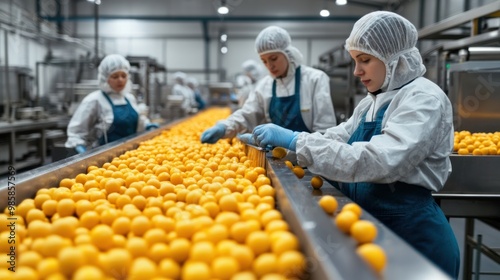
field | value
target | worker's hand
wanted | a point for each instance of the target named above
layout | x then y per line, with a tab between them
151	126
246	138
276	136
80	149
213	134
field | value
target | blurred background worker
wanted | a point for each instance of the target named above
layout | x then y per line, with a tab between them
180	88
293	96
193	84
253	71
110	113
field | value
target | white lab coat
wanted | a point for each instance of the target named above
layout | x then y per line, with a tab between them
94	116
416	140
315	102
189	101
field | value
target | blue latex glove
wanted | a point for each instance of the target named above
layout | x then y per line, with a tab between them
80	149
273	135
247	138
151	126
213	134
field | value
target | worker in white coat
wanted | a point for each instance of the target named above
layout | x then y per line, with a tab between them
293	96
253	71
180	88
107	114
194	85
394	150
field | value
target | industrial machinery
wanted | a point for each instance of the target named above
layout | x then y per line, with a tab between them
465	64
346	91
330	253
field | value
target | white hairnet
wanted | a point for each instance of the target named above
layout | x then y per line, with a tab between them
192	81
277	39
242	81
253	69
272	39
180	77
392	39
109	65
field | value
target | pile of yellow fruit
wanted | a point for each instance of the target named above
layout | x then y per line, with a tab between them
349	221
467	143
171	209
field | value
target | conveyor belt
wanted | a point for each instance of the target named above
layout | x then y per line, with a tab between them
330	253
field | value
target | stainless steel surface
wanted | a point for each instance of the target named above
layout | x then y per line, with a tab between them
473	175
331	254
435	31
474	92
19	83
478	40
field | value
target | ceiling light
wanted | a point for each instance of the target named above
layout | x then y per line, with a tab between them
223	9
340	2
223	50
223	37
324	13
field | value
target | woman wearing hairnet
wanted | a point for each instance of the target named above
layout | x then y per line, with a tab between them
294	96
393	152
107	114
181	88
193	84
253	72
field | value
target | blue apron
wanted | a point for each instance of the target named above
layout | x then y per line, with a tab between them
285	111
408	210
125	120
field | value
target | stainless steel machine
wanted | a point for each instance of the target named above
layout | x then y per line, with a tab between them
345	89
464	61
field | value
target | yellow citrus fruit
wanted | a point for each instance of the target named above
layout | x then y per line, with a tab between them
345	219
265	264
101	236
316	182
279	152
224	267
196	271
283	241
259	242
299	172
243	255
47	267
354	208
289	164
203	251
291	264
179	249
87	272
363	231
374	255
328	203
142	268
170	269
70	259
137	246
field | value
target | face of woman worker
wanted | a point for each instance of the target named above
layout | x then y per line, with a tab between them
276	63
118	80
369	69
